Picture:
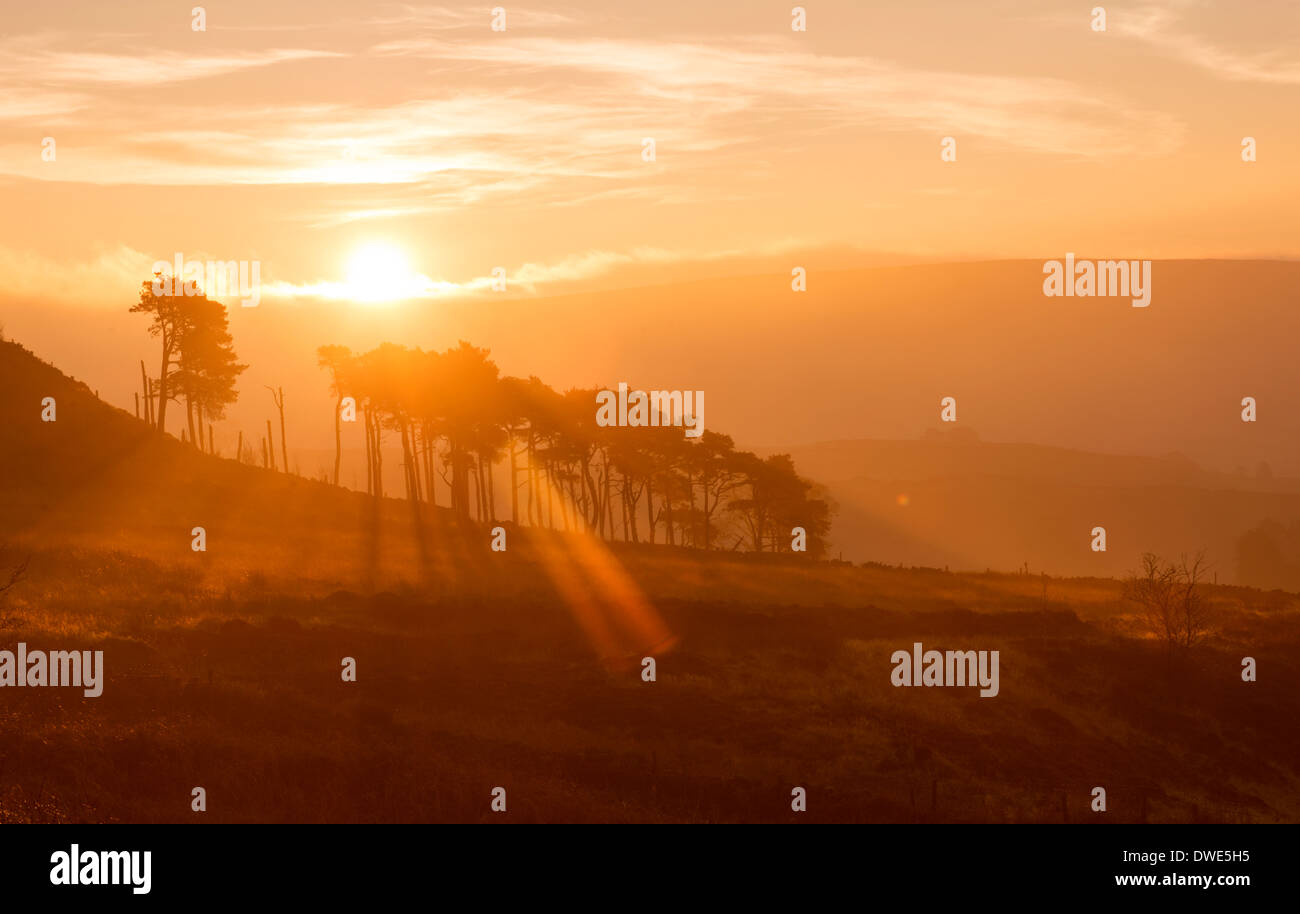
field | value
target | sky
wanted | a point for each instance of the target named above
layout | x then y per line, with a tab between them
412	149
296	133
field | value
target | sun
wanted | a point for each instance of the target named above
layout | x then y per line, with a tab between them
379	272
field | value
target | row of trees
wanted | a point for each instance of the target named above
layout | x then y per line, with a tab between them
456	419
199	365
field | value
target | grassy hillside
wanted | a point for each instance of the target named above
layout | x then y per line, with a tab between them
522	669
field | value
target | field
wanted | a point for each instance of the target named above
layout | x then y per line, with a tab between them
233	684
522	669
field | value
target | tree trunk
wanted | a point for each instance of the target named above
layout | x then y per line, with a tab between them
478	487
668	519
430	466
608	514
378	433
564	507
415	462
189	420
705	517
148	400
550	504
623	510
370	472
406	463
459	480
284	445
532	481
650	509
338	438
514	483
162	389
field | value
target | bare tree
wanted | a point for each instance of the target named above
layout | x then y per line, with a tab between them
1172	597
277	394
12	576
1195	611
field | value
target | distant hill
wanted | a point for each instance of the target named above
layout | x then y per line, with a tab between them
952	500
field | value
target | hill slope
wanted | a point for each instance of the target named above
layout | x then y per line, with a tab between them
523	669
955	501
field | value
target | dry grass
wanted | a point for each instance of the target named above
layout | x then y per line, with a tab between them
231	681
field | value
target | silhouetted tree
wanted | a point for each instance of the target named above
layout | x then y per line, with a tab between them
208	369
198	358
454	405
1172	598
10	576
277	396
776	500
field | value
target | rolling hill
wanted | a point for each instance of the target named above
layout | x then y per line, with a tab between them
523	669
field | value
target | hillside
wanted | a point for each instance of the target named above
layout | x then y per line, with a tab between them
953	500
522	669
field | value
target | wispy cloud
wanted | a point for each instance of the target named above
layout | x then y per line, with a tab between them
21	104
23	60
99	276
537	277
536	112
1170	28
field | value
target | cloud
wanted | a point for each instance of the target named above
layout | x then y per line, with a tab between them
25	60
21	104
106	274
440	18
1165	27
510	113
533	277
761	75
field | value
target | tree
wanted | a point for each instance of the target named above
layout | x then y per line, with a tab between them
777	500
1172	598
720	473
171	321
470	380
597	477
277	396
208	368
11	576
198	359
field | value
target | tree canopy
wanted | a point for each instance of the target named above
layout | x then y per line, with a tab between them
456	418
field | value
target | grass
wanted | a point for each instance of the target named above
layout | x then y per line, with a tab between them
231	682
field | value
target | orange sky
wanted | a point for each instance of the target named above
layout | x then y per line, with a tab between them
296	134
292	133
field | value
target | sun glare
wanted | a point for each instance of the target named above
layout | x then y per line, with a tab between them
379	272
